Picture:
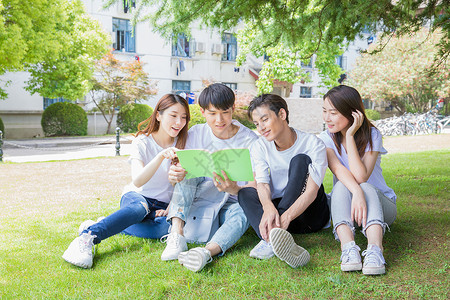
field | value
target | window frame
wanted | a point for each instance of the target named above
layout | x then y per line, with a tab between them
183	90
127	35
231	85
229	42
49	101
187	44
305	95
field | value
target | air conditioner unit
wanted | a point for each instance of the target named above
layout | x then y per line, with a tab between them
217	49
200	47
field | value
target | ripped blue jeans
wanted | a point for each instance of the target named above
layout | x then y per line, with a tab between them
135	217
381	210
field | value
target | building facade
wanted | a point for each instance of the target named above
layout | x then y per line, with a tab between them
180	65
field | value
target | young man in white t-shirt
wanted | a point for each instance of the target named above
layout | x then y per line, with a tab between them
206	209
289	167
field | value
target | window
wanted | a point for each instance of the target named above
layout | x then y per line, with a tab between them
307	65
180	46
305	92
179	87
48	101
342	62
123	35
127	5
229	43
231	85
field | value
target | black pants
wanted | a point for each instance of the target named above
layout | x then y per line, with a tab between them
314	218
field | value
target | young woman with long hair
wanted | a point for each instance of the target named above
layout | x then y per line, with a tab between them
360	196
143	205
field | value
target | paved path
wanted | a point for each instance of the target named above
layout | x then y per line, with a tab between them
63	148
87	147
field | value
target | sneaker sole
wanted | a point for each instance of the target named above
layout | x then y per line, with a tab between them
374	271
286	249
191	260
351	267
261	257
78	264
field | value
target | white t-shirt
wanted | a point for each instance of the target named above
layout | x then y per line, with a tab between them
376	178
272	166
201	137
144	148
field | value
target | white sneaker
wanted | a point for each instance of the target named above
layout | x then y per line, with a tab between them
195	259
85	225
176	244
79	252
286	249
373	261
263	250
350	258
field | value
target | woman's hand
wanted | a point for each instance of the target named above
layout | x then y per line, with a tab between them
162	212
358	119
176	173
270	219
359	208
168	153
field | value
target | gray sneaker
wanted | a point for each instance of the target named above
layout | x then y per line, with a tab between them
373	261
80	251
263	250
195	259
286	249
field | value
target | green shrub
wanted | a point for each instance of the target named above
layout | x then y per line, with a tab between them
196	115
240	114
64	118
2	127
131	115
373	114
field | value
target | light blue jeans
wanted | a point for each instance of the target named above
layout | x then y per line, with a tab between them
381	210
231	218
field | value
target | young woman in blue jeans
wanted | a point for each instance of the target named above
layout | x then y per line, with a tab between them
360	195
143	206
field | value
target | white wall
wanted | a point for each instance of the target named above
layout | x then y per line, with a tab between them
18	98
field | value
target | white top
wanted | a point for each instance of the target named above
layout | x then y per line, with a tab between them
376	178
201	137
144	148
272	166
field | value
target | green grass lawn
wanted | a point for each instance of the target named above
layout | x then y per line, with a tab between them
42	204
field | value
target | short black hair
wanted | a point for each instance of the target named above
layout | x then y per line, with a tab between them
218	95
273	102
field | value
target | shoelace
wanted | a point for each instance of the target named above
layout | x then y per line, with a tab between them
87	243
170	239
163	239
373	257
350	253
263	246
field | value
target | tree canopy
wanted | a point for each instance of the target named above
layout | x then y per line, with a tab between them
401	74
292	30
56	41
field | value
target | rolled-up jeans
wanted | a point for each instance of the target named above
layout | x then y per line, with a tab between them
232	220
381	210
135	217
